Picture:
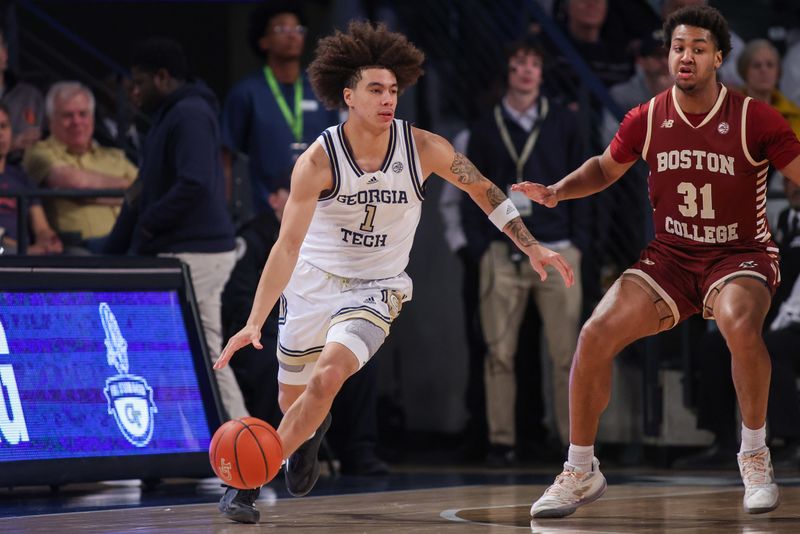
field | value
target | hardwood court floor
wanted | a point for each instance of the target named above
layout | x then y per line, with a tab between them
438	503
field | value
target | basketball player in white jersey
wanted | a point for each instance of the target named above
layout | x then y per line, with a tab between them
347	230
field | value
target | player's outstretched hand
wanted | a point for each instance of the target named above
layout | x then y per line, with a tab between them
542	256
250	334
542	194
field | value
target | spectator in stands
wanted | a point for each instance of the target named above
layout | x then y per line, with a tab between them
759	66
117	121
272	115
611	63
716	407
525	137
24	102
354	432
651	77
45	240
178	208
71	159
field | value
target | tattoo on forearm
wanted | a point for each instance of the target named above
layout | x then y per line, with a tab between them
465	170
468	175
495	196
520	233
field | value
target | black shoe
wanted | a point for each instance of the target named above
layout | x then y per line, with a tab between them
302	467
501	456
714	457
240	505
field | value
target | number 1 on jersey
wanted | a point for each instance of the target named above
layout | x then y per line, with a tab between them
369	218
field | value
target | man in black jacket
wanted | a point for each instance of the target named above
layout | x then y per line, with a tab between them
177	208
525	137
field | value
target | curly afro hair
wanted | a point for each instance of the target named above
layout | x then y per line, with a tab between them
704	17
340	59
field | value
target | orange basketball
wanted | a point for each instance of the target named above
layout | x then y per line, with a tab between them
246	453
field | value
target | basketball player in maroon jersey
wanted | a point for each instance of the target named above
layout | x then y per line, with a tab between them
708	150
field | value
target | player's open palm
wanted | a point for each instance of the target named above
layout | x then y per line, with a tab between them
541	194
248	335
541	256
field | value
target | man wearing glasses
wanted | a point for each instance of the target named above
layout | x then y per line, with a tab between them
272	115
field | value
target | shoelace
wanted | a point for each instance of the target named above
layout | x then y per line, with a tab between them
754	468
564	484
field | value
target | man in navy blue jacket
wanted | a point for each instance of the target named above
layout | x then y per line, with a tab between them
525	135
177	207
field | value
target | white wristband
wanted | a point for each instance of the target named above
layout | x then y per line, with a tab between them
503	213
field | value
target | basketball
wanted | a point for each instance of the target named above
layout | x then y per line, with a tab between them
246	453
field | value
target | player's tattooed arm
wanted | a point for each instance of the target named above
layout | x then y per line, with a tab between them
519	233
495	196
465	170
469	176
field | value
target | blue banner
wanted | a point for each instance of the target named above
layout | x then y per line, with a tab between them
97	374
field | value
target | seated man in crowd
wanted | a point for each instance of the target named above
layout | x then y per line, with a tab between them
12	178
70	159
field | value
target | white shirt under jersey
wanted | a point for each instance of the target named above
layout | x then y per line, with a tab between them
364	226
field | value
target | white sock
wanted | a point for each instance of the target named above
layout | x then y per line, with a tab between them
580	457
752	440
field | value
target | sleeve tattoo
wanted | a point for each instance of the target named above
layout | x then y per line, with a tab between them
520	233
465	170
468	175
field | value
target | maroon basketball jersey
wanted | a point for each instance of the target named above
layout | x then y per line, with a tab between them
706	188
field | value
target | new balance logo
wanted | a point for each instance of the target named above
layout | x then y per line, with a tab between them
748	265
667	123
372	180
370	300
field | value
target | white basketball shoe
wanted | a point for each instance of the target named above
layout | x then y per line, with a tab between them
570	490
761	493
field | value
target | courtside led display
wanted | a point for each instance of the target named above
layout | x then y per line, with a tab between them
97	373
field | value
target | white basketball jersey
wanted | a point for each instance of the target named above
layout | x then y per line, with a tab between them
364	226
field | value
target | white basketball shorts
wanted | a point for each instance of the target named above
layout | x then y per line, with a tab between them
315	300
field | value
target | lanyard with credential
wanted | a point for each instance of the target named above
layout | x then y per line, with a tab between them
295	123
520	159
